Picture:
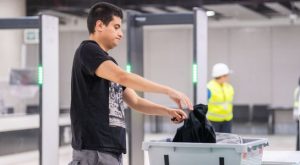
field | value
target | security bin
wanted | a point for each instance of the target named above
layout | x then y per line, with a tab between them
173	153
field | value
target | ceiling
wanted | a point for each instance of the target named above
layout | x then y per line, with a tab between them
223	9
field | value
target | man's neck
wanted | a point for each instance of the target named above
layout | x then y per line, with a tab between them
91	37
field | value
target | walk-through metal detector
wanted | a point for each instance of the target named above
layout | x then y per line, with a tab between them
48	81
135	24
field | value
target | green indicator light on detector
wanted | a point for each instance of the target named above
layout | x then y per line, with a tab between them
40	75
195	73
128	68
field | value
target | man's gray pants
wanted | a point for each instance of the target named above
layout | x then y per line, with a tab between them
90	157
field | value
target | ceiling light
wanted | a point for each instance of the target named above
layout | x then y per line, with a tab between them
210	13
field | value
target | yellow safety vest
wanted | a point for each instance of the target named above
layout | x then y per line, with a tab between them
220	103
296	98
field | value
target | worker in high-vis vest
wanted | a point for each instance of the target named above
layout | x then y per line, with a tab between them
220	97
296	112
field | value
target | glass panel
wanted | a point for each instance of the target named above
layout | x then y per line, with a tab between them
19	98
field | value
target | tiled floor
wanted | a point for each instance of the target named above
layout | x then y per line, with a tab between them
277	143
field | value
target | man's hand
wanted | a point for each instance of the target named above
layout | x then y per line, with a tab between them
177	115
180	99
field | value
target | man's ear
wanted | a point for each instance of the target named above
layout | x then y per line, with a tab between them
99	26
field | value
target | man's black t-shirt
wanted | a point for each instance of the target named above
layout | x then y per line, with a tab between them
97	109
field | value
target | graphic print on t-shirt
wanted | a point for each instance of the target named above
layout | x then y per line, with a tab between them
116	106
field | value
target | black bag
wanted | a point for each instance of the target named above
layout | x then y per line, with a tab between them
196	128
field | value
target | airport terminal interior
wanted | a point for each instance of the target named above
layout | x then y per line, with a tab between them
172	42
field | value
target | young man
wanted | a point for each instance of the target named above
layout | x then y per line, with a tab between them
99	88
220	99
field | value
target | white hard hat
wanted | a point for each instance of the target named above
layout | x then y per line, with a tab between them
220	69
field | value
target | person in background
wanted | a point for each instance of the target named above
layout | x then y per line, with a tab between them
220	97
99	89
296	111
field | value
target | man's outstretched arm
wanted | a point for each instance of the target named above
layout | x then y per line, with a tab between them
110	71
147	107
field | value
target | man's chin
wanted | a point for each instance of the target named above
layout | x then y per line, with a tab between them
115	44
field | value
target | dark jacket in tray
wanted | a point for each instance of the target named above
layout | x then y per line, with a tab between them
196	129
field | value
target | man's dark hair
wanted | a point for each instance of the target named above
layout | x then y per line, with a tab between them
104	12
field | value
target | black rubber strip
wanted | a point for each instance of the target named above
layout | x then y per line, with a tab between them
166	158
221	161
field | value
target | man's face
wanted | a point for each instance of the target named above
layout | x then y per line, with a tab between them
224	78
112	33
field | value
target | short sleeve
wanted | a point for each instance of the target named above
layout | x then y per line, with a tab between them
92	57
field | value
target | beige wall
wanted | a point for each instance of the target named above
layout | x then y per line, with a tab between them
11	40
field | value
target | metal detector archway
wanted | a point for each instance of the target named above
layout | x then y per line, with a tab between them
135	24
48	81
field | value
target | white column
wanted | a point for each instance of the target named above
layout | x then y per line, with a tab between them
201	51
50	94
11	40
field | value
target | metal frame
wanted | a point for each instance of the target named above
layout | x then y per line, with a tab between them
135	59
135	23
20	23
48	136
